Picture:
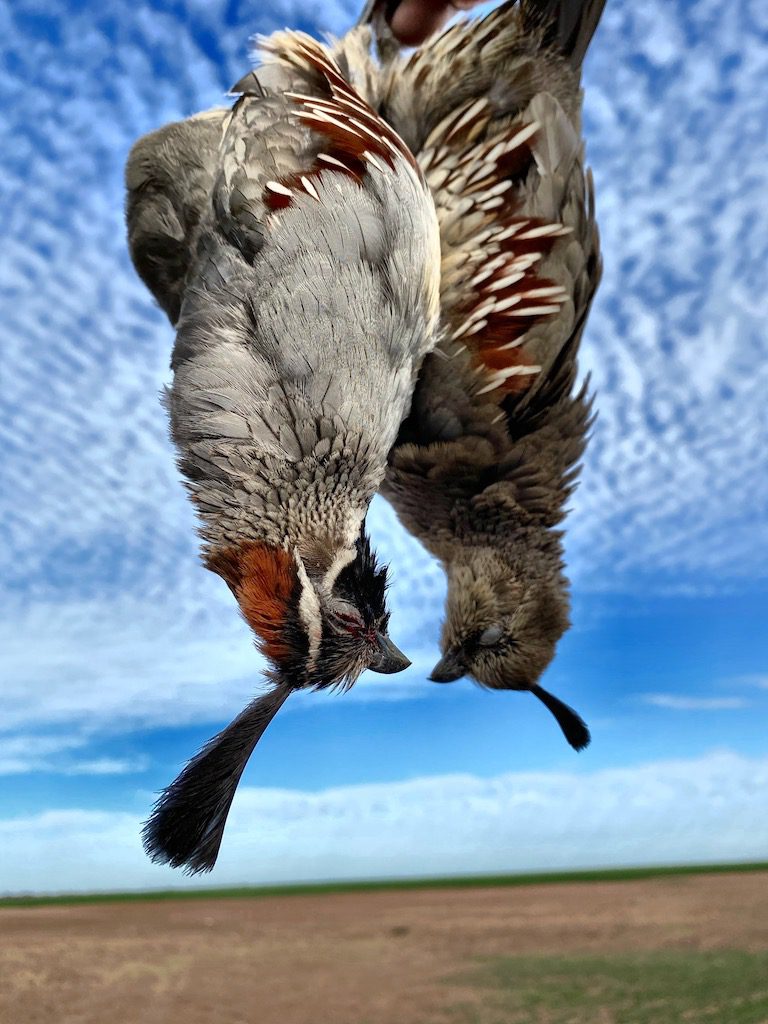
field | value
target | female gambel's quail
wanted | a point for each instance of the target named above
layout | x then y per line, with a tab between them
488	457
294	245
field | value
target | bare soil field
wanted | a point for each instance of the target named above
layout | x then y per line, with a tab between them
392	957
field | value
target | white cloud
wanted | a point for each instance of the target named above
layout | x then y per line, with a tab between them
108	766
706	809
678	702
760	681
22	754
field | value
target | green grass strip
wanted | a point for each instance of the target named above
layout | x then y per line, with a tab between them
673	987
385	885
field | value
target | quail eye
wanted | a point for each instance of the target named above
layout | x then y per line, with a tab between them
347	618
490	636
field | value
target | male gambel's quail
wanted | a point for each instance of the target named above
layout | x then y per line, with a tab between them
294	245
484	464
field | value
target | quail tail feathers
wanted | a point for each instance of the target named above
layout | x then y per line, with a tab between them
568	24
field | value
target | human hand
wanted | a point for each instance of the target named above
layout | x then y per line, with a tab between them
416	20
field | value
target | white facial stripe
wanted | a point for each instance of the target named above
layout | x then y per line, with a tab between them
343	558
346	553
309	613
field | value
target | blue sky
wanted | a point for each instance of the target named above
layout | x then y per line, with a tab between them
120	655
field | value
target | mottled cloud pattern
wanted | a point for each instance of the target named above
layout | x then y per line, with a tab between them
675	487
107	617
98	563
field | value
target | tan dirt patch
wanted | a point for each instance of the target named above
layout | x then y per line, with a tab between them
353	958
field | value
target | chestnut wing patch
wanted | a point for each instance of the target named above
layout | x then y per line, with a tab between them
356	137
264	580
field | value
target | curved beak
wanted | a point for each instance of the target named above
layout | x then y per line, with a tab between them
448	669
389	658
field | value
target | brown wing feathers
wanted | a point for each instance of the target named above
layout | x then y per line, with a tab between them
491	292
356	136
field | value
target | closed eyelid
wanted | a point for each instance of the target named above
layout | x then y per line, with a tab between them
491	635
347	616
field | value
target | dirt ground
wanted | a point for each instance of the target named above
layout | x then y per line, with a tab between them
356	958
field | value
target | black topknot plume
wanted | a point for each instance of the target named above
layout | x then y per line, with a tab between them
574	728
187	822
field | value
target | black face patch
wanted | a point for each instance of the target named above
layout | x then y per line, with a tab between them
364	585
346	643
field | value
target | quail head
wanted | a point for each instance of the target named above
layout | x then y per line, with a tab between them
293	243
485	462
